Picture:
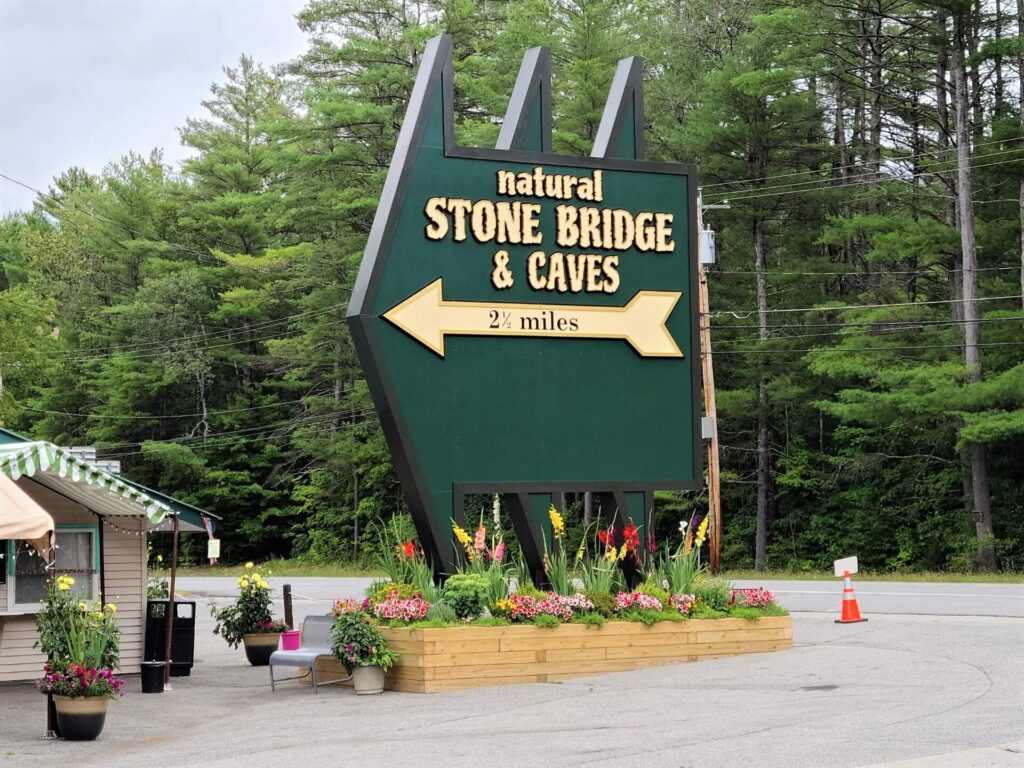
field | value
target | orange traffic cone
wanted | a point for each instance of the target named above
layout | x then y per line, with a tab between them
851	612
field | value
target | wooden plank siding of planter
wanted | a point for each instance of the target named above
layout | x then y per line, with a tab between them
434	660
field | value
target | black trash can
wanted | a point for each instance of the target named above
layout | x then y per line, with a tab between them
183	635
153	676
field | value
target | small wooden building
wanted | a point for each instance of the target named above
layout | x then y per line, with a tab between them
101	523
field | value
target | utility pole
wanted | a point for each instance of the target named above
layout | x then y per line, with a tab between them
710	411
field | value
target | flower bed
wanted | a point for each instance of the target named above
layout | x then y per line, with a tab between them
450	658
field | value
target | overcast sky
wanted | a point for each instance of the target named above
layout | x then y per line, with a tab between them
82	82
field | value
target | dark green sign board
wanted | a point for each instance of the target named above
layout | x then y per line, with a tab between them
527	321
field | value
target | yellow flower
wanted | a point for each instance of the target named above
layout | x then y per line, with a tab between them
702	531
63	586
557	523
159	558
249	565
623	552
264	585
243	582
580	552
463	538
81	606
611	554
256	578
111	607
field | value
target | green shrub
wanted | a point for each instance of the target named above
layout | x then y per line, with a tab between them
441	611
713	593
604	603
467	594
590	618
546	620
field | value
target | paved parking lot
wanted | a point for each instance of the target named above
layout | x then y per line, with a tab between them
897	688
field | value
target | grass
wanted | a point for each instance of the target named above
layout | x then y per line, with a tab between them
916	576
294	568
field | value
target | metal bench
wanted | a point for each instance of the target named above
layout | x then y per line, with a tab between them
315	644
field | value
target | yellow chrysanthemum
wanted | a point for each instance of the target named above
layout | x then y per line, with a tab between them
702	531
111	607
243	582
63	586
557	523
264	585
249	565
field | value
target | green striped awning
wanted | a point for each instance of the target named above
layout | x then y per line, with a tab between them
29	458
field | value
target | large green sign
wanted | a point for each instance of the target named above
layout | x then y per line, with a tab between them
527	321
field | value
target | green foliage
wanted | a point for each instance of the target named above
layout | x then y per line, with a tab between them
72	631
590	618
357	642
713	593
547	620
604	602
528	590
250	609
190	321
442	612
467	594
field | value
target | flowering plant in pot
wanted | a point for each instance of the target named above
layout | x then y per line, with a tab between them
81	643
359	645
247	621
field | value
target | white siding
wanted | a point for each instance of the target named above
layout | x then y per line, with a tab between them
124	558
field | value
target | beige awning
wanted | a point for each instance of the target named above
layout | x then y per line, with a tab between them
21	517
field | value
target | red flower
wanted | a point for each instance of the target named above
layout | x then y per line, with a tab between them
603	537
630	537
408	550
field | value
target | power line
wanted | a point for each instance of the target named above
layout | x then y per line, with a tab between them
847	324
209	334
840	332
854	350
859	164
879	174
287	423
922	271
873	179
104	417
742	314
154	353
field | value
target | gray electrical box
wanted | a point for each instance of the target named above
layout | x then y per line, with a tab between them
706	246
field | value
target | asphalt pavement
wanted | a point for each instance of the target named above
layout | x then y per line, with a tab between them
911	688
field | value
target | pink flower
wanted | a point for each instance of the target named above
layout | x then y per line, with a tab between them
626	600
480	540
499	552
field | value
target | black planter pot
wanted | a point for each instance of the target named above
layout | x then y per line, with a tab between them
81	719
259	647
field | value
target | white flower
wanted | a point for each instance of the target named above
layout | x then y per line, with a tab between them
682	526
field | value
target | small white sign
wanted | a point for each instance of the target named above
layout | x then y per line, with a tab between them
213	549
846	564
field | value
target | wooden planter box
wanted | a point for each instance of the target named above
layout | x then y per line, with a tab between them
433	660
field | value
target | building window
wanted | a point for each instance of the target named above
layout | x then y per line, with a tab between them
77	557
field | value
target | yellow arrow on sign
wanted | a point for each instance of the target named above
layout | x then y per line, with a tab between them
428	318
